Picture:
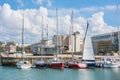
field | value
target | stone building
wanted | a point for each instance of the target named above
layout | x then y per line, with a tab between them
10	47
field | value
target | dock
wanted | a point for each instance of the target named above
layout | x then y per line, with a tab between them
12	59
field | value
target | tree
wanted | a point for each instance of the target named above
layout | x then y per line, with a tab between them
18	48
27	48
2	47
11	43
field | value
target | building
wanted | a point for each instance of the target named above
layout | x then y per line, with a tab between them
44	47
73	43
105	43
59	44
10	47
58	41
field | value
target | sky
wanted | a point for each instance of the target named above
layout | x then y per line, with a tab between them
103	17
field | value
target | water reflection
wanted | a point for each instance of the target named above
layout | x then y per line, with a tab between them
9	73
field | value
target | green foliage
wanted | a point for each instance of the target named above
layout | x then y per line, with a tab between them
2	48
18	48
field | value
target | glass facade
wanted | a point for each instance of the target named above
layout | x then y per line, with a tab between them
105	43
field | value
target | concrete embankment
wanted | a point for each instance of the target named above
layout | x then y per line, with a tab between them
11	59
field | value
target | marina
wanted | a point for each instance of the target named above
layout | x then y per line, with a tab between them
59	40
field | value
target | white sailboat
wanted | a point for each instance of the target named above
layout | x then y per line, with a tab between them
23	64
88	55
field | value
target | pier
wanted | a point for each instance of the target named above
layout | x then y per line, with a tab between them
12	59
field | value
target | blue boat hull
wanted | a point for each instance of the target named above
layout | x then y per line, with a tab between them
90	63
41	65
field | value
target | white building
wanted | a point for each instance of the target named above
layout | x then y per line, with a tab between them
59	43
73	43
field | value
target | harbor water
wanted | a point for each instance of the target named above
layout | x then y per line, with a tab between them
13	73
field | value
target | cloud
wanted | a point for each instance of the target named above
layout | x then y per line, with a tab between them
110	7
89	9
11	23
98	8
40	2
98	25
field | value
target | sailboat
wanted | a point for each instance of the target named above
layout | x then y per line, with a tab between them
23	64
41	63
74	63
56	62
88	54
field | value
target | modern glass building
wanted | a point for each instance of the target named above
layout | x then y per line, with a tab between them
105	43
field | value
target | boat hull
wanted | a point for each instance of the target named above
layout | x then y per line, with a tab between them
24	66
108	62
57	65
103	65
77	66
41	65
111	66
90	63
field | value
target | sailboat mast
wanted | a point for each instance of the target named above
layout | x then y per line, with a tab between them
42	28
23	35
47	31
42	39
71	33
57	29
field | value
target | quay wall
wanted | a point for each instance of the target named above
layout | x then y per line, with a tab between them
12	59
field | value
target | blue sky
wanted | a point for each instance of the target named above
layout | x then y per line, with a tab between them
15	4
101	13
